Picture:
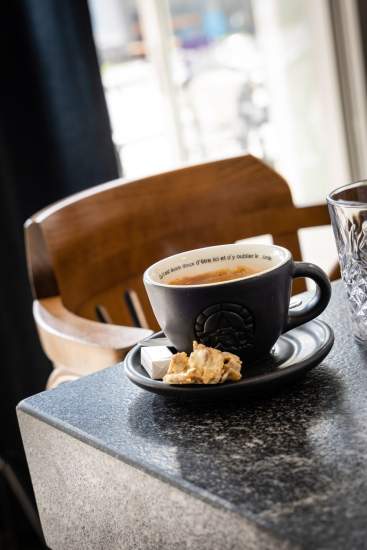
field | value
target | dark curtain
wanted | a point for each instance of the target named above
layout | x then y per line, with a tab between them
55	139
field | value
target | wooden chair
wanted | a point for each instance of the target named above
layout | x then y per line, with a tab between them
85	252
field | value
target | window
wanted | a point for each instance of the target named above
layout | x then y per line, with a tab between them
190	80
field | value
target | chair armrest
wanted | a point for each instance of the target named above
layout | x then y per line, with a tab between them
82	345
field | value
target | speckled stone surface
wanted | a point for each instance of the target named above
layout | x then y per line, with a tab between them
294	464
89	500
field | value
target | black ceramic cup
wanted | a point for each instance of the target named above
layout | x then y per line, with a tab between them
245	316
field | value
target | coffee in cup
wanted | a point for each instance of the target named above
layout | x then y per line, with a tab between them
216	276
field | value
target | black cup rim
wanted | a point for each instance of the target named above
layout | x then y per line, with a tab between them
149	281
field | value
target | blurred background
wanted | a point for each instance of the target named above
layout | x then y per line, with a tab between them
91	91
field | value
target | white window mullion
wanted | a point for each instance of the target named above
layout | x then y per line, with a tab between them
158	37
352	81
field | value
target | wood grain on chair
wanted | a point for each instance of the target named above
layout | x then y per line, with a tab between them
86	251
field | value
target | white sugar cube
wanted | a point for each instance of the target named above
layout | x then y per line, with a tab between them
156	361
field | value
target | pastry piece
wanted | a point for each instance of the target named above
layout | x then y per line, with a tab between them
231	367
207	364
178	370
204	366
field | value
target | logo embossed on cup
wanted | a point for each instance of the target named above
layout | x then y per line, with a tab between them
226	326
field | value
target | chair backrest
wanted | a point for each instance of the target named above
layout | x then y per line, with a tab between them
90	247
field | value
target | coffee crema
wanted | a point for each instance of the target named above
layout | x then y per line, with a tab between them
217	276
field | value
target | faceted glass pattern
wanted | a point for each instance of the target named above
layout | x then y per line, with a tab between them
348	212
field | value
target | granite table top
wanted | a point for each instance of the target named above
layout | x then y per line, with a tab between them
295	463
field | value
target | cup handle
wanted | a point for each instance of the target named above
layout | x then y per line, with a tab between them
315	305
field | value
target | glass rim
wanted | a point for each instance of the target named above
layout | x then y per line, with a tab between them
352	204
